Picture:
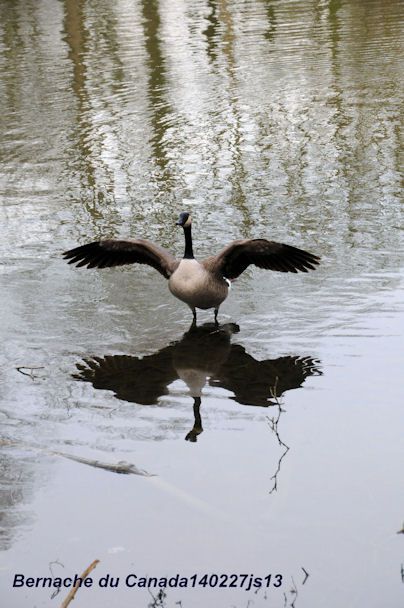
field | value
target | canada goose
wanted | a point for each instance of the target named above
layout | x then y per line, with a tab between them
199	284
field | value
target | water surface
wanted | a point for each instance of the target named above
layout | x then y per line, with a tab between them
270	119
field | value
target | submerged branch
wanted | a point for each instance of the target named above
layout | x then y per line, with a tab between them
121	467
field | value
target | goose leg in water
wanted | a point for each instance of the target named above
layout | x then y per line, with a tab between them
216	321
197	428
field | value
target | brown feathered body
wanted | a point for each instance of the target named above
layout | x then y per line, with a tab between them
192	283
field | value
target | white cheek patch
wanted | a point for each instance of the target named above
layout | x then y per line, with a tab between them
188	222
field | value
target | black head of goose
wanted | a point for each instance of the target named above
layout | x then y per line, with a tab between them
202	284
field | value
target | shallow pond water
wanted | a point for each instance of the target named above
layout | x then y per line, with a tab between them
264	119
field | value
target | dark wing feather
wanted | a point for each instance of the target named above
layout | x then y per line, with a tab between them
238	255
113	252
134	379
260	383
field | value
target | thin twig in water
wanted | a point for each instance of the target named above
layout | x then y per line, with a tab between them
73	591
58	589
273	424
6	414
158	601
306	575
30	374
294	592
402	573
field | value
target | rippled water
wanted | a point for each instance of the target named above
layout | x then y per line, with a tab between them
271	119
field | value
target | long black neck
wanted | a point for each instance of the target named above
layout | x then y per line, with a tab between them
188	253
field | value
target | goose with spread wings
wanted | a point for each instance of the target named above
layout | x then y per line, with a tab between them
204	284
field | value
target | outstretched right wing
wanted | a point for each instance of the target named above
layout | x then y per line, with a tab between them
114	252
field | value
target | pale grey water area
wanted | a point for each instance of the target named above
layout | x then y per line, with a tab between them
276	119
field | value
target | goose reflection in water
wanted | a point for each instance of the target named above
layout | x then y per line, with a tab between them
204	354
